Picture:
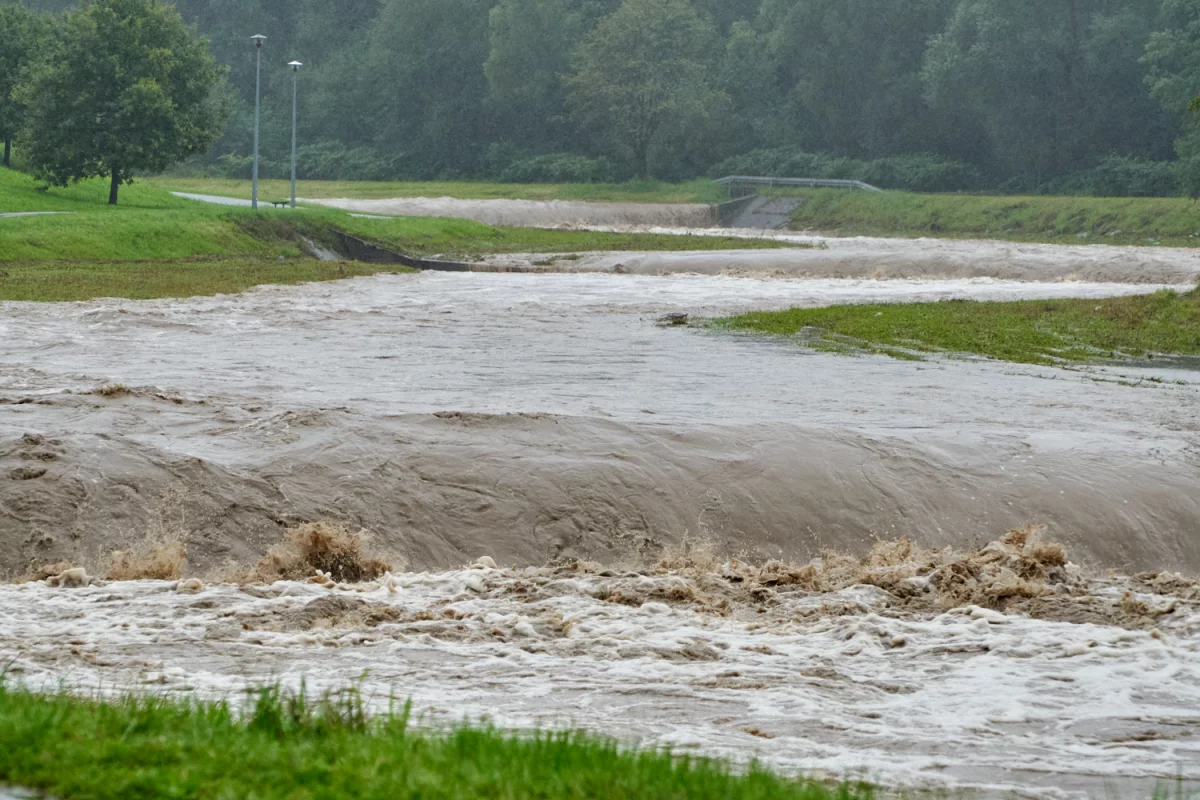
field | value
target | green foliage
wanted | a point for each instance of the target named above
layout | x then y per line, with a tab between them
126	87
1024	96
24	35
915	173
1137	221
327	160
1117	176
554	168
850	71
698	191
641	69
288	746
1049	83
530	50
1031	331
159	226
71	281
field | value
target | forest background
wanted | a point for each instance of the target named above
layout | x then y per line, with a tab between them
1049	96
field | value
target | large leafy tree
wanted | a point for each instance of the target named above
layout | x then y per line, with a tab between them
1173	58
1054	83
531	42
127	87
849	71
23	38
414	89
644	68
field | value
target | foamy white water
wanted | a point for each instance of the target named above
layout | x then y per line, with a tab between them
967	699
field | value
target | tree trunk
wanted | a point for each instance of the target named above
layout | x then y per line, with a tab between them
7	151
114	186
641	158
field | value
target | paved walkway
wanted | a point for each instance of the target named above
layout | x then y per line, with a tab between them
31	214
212	198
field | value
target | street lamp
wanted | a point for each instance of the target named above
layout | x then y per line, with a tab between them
295	65
258	39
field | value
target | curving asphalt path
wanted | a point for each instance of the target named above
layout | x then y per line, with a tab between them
31	214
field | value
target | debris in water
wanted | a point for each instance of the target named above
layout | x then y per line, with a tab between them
330	552
668	320
70	579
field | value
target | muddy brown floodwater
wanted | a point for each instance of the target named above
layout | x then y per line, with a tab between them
549	417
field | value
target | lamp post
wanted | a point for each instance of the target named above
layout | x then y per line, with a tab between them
258	39
295	65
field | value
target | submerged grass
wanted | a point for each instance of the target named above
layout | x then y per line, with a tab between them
697	191
289	746
57	281
1061	220
1029	331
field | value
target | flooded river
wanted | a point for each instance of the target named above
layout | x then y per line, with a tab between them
538	417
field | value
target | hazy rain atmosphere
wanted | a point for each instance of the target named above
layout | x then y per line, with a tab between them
627	398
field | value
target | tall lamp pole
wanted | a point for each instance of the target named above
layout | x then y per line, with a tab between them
295	65
258	39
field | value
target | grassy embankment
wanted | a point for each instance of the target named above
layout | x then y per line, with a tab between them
1031	331
284	747
697	191
158	245
1061	220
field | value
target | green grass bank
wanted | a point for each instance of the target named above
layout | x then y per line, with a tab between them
157	245
1031	331
59	281
697	191
287	747
1060	220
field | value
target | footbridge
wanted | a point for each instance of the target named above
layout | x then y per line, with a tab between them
748	208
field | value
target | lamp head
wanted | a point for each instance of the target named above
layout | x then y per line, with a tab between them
258	39
295	65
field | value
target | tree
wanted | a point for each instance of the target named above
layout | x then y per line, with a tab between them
414	90
531	42
1173	58
23	37
1055	84
643	68
850	72
127	87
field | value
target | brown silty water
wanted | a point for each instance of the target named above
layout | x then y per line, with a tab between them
537	418
540	416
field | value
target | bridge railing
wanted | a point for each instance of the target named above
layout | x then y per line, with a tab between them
741	185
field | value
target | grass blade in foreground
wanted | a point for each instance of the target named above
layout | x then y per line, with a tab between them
1028	331
290	746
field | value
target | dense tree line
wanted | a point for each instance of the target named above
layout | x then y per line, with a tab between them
1087	95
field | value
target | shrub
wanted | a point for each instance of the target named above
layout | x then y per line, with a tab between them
1118	176
915	173
334	161
559	168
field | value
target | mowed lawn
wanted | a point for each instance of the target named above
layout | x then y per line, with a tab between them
1148	221
154	244
697	191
